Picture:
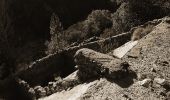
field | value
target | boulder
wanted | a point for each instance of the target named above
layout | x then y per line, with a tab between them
94	64
39	91
160	81
145	82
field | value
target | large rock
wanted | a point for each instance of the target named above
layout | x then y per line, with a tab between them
94	64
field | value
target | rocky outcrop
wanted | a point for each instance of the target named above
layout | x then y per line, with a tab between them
38	40
63	60
92	64
39	72
149	83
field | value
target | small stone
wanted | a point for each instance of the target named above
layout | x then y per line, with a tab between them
37	87
47	90
40	91
52	90
43	93
141	76
31	90
24	84
160	81
50	84
57	78
32	93
124	95
54	85
134	53
76	66
145	82
153	70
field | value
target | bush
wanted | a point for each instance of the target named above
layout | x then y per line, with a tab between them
56	43
96	22
94	25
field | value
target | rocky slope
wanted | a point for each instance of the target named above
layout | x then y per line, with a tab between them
149	60
61	46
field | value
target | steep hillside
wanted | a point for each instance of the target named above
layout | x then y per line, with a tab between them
45	42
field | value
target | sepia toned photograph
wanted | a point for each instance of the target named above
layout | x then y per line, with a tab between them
84	49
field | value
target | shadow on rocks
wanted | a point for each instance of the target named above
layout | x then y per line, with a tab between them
125	80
